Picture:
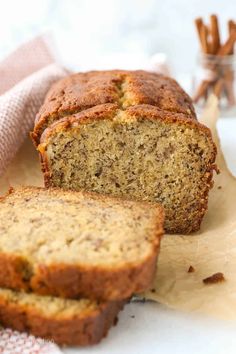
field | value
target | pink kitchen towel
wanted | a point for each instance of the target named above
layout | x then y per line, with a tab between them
26	76
13	342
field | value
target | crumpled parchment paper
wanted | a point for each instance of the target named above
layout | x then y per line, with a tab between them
211	250
24	169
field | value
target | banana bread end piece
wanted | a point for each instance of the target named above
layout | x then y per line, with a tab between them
67	322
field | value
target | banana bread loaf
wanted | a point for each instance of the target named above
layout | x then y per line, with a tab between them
140	140
71	244
67	322
81	91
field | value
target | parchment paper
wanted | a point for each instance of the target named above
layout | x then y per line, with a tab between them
24	169
211	250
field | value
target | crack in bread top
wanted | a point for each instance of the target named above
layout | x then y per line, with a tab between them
82	91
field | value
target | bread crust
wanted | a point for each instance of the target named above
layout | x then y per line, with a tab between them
73	281
71	330
82	91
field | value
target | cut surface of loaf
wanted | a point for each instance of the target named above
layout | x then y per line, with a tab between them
142	153
67	322
77	244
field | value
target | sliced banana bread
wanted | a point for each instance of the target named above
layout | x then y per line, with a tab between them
140	140
72	244
67	322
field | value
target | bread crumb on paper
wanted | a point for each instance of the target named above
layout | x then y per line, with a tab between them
214	278
191	269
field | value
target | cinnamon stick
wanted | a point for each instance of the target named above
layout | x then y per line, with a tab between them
229	86
202	34
215	34
205	44
202	91
199	24
222	80
231	28
228	47
218	87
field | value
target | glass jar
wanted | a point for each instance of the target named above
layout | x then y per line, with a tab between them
216	74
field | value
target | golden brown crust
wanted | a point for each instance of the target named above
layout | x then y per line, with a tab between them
109	111
73	330
103	111
73	281
81	91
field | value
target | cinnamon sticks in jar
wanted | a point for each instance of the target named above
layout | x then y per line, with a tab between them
217	61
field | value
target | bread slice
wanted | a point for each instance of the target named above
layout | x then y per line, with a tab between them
71	244
142	153
67	322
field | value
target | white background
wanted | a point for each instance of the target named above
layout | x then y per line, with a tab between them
96	33
125	33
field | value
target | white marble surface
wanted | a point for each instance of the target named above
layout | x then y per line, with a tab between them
150	328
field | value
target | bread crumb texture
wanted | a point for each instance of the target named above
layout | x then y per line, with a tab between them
75	240
50	227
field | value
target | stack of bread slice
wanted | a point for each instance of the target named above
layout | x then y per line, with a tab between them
69	261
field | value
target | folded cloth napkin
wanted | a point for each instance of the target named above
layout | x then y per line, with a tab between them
26	76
